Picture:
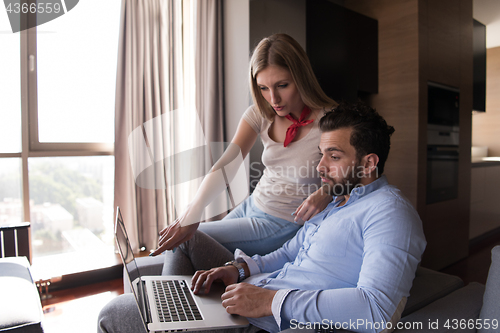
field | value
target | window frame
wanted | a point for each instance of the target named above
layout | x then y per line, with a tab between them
43	149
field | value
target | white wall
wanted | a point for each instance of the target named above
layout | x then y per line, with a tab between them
236	56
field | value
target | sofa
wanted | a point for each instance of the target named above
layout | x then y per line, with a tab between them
438	302
20	309
473	308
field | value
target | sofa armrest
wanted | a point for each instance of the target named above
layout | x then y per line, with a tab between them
429	286
463	304
147	266
491	307
20	308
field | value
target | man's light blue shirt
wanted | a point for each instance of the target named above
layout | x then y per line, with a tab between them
349	264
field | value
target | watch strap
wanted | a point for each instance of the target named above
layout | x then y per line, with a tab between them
239	267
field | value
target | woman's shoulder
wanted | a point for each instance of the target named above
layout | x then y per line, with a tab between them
254	118
253	111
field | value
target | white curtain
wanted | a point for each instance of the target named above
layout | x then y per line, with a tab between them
164	110
209	95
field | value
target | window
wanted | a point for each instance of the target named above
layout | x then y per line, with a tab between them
11	209
10	126
76	74
57	96
10	88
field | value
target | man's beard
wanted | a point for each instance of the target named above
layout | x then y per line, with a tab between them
345	185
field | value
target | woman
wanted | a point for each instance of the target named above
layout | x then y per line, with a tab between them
288	103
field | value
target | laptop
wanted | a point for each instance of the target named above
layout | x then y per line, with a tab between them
166	303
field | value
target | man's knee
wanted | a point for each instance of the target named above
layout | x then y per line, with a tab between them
121	314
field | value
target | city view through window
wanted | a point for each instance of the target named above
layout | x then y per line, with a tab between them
71	210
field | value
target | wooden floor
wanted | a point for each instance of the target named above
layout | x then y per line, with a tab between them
76	310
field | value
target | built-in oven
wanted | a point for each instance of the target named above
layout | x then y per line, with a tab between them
442	173
442	143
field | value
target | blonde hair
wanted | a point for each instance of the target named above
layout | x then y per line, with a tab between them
284	51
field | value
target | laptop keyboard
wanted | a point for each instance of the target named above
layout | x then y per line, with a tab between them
175	302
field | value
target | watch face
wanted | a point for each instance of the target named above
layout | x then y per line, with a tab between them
237	263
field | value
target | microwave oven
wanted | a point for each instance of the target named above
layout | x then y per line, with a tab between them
443	105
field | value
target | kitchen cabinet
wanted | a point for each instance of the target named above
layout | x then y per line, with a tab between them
485	196
479	47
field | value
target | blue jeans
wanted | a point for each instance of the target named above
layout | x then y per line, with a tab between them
250	229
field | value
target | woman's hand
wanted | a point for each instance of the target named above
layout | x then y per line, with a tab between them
180	231
185	226
227	274
314	204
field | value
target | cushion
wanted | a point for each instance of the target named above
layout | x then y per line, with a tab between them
20	308
491	299
461	305
429	286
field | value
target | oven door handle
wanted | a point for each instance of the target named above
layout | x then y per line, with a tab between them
432	157
446	149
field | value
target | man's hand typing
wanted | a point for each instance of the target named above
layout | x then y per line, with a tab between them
248	300
226	274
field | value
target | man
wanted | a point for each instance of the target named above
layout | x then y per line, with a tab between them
351	266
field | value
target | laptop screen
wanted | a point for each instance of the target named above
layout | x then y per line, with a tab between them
127	257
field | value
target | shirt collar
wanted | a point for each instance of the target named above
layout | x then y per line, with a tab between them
356	194
362	191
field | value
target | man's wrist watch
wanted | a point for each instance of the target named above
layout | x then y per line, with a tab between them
241	271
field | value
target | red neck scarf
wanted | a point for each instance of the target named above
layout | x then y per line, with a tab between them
293	128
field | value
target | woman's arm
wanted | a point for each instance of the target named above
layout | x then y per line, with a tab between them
212	185
314	204
245	137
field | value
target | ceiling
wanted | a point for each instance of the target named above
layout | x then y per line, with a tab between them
488	13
